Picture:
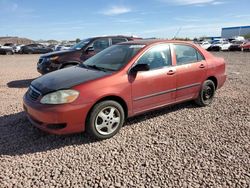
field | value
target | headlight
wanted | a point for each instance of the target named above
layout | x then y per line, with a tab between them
60	97
53	58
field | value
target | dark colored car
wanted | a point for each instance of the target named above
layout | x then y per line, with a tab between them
235	46
78	53
35	49
122	81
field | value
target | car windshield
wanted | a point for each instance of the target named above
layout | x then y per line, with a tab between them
81	44
113	58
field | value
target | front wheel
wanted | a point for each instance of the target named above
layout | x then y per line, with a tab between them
105	119
206	94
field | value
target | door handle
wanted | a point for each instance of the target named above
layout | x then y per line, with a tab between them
202	66
171	72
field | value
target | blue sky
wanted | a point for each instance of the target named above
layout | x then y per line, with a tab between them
64	19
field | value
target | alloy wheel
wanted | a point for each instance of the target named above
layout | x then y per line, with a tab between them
107	120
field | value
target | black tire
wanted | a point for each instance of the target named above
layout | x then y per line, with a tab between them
94	119
206	94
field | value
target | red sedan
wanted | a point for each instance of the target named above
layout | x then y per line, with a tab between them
245	46
122	81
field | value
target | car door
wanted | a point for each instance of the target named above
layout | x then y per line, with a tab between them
190	71
155	87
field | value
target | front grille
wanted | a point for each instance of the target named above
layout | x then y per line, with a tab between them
33	93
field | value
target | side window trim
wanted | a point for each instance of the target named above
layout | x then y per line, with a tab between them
125	39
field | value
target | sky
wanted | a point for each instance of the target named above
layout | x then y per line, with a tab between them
68	20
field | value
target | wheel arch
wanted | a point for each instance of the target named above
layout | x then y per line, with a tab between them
69	63
115	98
214	79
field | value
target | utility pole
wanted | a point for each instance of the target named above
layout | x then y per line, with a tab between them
178	31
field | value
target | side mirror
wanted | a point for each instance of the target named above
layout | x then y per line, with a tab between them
140	67
89	49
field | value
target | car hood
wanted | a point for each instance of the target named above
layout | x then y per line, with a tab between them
57	53
66	78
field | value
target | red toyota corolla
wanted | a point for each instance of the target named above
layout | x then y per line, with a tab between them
122	81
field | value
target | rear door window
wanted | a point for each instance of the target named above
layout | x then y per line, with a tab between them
186	54
100	44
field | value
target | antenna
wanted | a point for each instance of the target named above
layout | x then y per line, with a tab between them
178	31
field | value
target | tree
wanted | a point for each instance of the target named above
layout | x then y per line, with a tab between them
247	36
78	40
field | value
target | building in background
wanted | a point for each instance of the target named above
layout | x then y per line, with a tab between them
230	32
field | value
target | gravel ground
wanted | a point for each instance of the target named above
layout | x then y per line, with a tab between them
179	146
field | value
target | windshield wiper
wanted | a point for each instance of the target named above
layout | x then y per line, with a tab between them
99	68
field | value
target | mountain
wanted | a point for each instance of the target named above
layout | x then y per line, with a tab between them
15	40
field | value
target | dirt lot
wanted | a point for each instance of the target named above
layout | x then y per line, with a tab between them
180	146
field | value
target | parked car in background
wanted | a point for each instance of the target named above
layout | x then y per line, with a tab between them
35	49
220	46
245	46
77	53
52	46
122	81
235	45
7	49
205	45
17	48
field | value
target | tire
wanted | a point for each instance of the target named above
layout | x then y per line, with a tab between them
105	119
206	94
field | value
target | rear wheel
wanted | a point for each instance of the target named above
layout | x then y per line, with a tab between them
206	94
105	119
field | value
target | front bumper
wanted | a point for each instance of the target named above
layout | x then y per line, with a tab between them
45	66
57	119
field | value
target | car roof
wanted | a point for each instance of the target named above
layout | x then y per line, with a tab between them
114	36
154	41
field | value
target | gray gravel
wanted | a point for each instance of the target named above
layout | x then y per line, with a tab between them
179	146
